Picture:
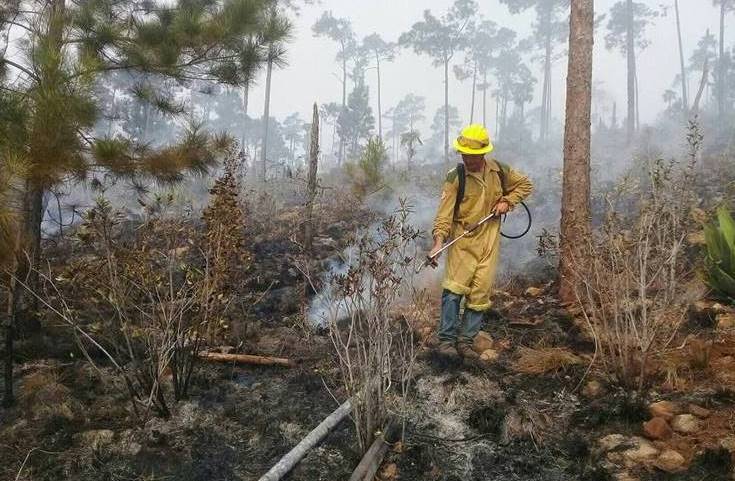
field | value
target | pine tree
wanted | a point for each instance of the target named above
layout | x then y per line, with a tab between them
72	47
549	29
575	210
627	33
381	51
441	38
340	31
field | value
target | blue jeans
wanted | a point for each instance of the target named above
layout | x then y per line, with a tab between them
450	328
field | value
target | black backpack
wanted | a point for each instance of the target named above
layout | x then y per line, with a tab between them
461	175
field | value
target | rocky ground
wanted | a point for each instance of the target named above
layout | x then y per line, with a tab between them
499	420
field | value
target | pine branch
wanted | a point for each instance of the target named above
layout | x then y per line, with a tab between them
21	68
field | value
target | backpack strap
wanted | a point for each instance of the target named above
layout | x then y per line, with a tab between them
460	189
502	169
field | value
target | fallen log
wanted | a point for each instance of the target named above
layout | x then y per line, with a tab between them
246	359
290	460
370	462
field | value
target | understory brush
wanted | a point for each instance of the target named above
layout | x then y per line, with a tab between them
376	350
149	296
639	279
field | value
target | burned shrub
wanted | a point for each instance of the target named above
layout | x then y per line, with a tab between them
373	347
226	257
634	290
154	295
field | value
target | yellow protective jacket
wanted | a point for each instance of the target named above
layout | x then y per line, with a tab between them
472	261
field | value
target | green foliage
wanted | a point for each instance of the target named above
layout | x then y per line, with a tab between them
720	260
440	37
356	121
13	164
196	151
366	176
617	25
72	46
338	30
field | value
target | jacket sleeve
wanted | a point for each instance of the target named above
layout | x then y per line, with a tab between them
445	214
518	186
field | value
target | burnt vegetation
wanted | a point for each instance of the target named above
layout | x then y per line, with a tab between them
191	292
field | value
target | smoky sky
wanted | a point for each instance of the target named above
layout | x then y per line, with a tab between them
313	75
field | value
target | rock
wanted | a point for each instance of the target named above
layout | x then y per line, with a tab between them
704	313
725	320
482	342
324	243
489	355
624	476
698	411
728	442
390	471
663	409
96	438
699	215
611	441
533	292
685	423
670	461
696	238
642	451
593	389
657	428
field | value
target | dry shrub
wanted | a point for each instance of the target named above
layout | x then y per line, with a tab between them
373	349
634	289
227	256
153	294
544	359
44	396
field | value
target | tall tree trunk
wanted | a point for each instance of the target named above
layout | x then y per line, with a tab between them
614	120
245	100
721	65
9	397
380	108
146	120
637	104
497	116
575	212
484	99
311	184
25	305
630	51
684	96
344	104
113	108
266	117
545	100
474	89
446	110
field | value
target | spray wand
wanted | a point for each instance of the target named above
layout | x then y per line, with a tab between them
431	260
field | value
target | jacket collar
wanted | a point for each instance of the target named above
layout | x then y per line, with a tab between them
492	165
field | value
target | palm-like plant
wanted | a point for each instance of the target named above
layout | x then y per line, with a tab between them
720	260
408	141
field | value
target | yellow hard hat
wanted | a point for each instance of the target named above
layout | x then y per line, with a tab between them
474	139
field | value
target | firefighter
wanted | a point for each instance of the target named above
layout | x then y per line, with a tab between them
489	186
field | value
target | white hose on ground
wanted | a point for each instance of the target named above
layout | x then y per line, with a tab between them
290	460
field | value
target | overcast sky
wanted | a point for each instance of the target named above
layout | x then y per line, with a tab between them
312	74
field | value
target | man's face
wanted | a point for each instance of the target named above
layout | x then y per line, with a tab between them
474	162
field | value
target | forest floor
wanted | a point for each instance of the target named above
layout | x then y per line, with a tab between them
497	420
